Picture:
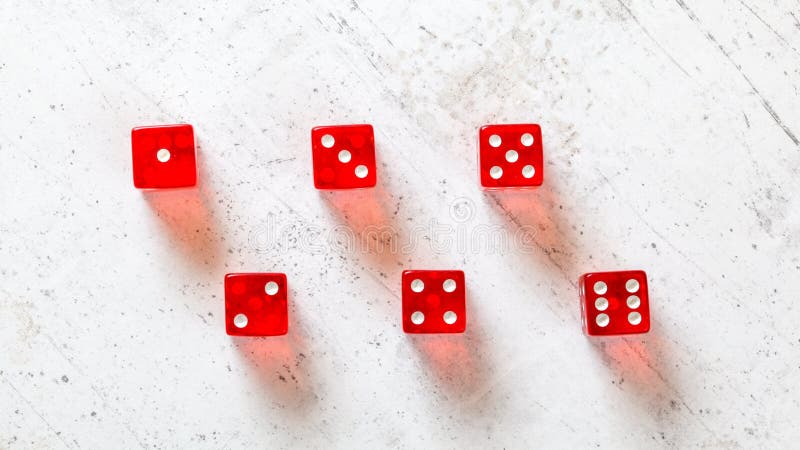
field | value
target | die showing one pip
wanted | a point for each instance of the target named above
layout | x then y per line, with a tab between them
614	303
510	156
343	156
434	301
163	156
255	304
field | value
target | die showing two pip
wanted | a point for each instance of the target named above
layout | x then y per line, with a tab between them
256	304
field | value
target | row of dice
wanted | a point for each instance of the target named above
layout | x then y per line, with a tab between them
509	156
343	156
434	301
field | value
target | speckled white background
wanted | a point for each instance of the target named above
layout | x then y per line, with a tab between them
671	145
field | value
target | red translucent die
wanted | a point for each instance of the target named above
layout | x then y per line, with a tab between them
510	156
343	156
434	301
614	303
255	304
163	156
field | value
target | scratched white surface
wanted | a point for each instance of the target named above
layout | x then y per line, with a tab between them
671	145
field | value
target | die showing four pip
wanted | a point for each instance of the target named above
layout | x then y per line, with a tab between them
433	301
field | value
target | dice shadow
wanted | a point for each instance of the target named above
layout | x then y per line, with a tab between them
460	365
282	365
365	226
642	366
188	216
538	227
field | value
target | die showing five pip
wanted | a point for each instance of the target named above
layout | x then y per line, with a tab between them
510	156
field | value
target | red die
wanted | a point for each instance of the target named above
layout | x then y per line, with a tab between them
615	303
255	304
163	156
343	156
510	156
434	301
